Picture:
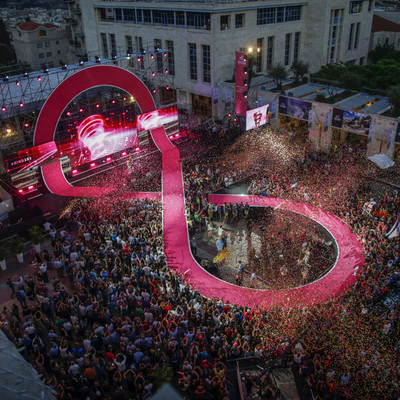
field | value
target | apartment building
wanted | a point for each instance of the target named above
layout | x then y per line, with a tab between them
40	44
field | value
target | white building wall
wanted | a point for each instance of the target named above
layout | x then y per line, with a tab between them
315	29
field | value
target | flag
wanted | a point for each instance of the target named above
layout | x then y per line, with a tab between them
310	117
228	97
273	106
327	117
390	139
370	133
215	96
395	231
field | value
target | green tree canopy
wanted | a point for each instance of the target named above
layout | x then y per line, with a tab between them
393	94
278	74
299	69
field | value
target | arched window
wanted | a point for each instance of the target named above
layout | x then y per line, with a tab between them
42	32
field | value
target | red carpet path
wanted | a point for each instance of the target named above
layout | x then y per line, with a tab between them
179	256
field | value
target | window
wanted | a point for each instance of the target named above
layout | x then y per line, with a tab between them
138	43
270	51
42	32
129	15
180	18
370	5
355	7
46	44
41	55
128	44
280	14
147	16
159	56
287	48
139	16
104	44
272	15
206	63
259	55
118	14
292	13
350	37
48	54
332	54
193	61
224	22
197	20
163	17
362	60
58	52
113	44
171	57
57	42
239	21
296	49
39	45
357	36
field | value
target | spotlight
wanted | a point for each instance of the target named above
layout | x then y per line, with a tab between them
81	63
45	69
25	74
153	74
21	104
39	78
114	57
63	65
154	90
167	88
156	49
97	59
18	83
165	54
4	109
93	164
128	56
166	71
142	50
5	78
139	59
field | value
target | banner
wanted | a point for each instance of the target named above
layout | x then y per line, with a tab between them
294	107
215	96
327	117
273	107
351	121
371	127
397	139
240	86
257	117
390	139
395	231
228	98
310	118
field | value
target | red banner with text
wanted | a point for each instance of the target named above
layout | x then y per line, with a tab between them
241	84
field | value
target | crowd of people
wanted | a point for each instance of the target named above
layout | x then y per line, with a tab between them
115	322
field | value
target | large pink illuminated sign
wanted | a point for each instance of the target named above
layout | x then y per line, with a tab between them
176	238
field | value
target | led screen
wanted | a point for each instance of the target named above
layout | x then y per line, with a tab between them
96	137
256	117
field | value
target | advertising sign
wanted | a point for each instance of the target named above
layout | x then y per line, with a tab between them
257	117
351	121
294	107
240	87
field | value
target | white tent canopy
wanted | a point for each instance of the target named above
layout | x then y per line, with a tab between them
381	160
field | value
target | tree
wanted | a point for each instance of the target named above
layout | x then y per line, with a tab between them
278	74
299	69
393	94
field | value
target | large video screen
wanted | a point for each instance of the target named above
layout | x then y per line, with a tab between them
256	117
95	137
